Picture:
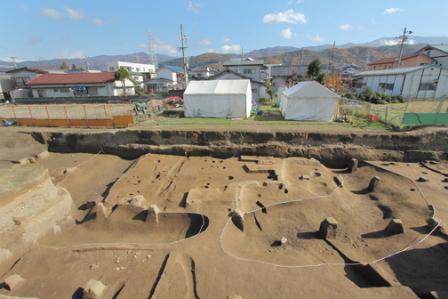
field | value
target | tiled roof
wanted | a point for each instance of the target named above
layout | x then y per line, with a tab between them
76	78
393	59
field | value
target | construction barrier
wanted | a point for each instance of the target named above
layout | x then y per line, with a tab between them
74	115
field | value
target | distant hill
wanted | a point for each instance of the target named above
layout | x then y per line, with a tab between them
271	51
96	62
360	54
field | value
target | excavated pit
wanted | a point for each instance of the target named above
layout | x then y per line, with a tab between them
126	225
151	225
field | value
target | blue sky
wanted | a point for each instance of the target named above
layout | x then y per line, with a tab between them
68	29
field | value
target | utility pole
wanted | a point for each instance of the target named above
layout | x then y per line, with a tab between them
14	58
87	63
183	47
404	39
331	64
301	57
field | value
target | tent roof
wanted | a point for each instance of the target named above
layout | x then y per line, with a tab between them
310	89
218	87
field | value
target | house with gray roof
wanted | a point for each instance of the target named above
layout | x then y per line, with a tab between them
421	82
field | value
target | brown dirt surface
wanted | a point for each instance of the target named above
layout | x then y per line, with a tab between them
164	227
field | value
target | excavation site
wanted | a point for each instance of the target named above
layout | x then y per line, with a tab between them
223	214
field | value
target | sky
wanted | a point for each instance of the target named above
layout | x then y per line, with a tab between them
46	29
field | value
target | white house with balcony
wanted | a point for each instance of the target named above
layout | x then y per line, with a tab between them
140	72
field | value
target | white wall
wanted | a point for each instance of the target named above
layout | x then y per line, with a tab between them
218	106
133	67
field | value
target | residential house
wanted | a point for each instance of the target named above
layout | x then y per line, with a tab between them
438	53
248	67
167	78
6	85
257	87
21	76
281	74
103	84
139	72
159	85
418	82
413	60
201	73
348	70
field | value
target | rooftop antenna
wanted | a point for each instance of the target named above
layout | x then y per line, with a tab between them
14	58
404	39
183	47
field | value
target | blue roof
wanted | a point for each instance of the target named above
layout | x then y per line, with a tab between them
173	68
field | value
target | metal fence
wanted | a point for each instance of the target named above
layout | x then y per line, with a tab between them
411	113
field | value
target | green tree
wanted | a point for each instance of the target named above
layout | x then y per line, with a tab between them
122	74
314	69
74	68
321	78
64	66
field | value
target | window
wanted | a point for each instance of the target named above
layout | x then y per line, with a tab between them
248	71
93	91
387	86
79	91
428	86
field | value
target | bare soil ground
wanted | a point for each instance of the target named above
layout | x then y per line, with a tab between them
162	227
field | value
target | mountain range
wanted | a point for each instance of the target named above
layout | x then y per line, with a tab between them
359	54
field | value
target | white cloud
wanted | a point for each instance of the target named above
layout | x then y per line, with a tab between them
345	27
227	39
205	42
160	47
317	38
72	55
394	42
231	49
194	6
73	13
98	21
52	13
289	16
392	10
286	33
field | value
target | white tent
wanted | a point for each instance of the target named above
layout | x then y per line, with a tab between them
218	98
309	100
